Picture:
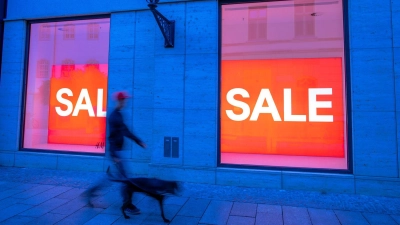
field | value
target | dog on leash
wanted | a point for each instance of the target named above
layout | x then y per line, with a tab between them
153	187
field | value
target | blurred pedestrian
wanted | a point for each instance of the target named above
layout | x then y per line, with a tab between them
117	130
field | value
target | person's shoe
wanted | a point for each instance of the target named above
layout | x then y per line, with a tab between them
134	211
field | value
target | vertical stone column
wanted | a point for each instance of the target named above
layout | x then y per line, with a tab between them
372	83
11	89
396	60
144	84
372	63
168	95
121	65
201	85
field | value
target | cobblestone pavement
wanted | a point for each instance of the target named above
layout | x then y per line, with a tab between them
42	196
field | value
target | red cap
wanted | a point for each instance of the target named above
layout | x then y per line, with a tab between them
121	95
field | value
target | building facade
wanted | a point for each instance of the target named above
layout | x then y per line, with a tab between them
296	95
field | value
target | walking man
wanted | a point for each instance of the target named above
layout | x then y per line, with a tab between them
118	130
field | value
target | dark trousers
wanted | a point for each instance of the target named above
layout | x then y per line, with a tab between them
126	190
115	153
118	164
127	193
121	169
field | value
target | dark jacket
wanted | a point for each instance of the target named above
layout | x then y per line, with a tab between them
118	130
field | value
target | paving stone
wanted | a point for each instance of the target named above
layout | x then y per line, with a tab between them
70	207
148	205
13	210
114	209
174	200
263	218
153	220
44	208
295	215
6	202
102	219
217	212
187	220
194	207
269	215
272	209
378	219
170	211
33	191
198	203
49	218
134	219
396	218
9	192
105	201
240	220
350	218
81	216
323	217
72	193
347	202
46	195
244	209
18	220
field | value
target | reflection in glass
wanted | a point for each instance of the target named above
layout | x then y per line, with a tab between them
67	86
282	84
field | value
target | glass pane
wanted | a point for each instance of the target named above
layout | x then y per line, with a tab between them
67	86
283	84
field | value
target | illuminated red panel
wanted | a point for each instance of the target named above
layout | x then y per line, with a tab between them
266	134
88	125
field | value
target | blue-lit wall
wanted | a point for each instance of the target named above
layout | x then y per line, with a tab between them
176	94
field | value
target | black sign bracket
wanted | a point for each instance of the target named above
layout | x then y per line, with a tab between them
166	26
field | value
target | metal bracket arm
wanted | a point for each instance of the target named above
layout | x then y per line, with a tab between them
167	27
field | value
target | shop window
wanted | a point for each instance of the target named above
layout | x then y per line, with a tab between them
282	91
93	30
65	107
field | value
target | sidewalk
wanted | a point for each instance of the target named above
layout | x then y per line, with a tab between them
41	196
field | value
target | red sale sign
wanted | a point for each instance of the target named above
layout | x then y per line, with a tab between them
78	102
292	107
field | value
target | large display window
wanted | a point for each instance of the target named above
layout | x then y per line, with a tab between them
282	92
66	93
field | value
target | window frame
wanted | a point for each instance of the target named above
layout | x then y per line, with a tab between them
42	68
346	88
25	84
93	32
68	32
